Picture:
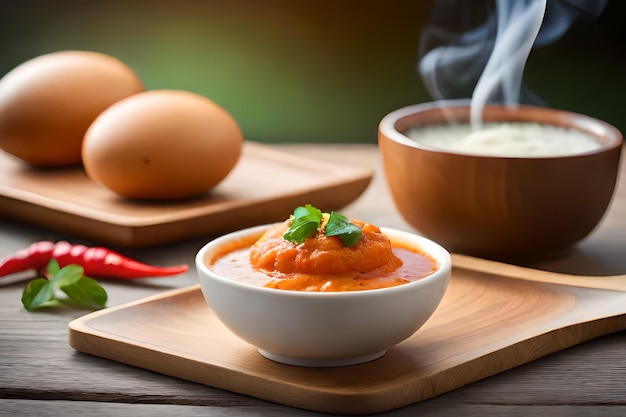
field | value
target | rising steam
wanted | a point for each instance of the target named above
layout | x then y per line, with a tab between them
486	61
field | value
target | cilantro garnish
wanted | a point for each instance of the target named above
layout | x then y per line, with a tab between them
339	225
306	220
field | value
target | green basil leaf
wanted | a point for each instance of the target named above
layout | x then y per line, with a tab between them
339	225
81	290
86	292
68	275
38	293
53	267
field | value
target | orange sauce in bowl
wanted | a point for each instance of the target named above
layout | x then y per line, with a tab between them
337	268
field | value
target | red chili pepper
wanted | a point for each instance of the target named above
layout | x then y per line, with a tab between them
96	261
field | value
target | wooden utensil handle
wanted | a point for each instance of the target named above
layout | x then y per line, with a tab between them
609	282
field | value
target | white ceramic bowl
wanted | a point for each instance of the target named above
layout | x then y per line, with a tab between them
320	329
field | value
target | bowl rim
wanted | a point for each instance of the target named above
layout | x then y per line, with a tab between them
387	128
431	247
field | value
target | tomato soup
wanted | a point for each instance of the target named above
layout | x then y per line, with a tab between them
356	271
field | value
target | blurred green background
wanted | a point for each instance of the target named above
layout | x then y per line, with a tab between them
302	71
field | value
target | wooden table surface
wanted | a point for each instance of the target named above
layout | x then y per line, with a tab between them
40	374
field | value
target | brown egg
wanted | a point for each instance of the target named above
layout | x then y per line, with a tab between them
162	144
47	103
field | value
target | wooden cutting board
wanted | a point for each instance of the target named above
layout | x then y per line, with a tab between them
265	186
493	317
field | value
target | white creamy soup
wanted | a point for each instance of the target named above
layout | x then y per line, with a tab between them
506	139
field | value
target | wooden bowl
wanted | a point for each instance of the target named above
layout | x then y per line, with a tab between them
504	208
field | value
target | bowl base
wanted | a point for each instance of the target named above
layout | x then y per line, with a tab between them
320	362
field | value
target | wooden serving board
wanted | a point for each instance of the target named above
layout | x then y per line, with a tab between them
493	317
265	186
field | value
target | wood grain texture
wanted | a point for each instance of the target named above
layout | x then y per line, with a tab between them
263	186
486	324
32	408
40	374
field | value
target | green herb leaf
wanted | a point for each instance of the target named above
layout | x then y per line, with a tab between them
306	220
66	276
82	291
86	292
53	267
37	293
339	225
304	223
